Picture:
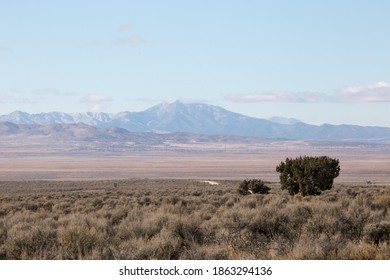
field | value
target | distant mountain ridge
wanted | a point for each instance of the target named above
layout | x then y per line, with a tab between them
199	118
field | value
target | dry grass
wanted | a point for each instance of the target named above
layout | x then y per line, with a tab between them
189	219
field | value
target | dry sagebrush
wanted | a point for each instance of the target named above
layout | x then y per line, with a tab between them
188	219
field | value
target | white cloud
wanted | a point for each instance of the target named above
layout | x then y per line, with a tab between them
281	96
95	101
377	92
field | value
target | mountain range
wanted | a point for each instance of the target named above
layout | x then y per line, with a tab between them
195	118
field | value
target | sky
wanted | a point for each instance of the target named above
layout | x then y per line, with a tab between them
317	61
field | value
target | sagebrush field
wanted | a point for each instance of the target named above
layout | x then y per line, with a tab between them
189	219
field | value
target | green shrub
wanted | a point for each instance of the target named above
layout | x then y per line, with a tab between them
308	175
253	186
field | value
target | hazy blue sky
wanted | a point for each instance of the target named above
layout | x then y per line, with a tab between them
318	61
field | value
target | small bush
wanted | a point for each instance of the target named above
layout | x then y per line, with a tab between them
77	240
253	186
378	233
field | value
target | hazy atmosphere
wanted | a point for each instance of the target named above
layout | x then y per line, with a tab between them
194	130
317	61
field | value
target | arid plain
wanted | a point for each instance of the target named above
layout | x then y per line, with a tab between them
179	201
359	162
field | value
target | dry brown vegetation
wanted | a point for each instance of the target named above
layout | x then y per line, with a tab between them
189	219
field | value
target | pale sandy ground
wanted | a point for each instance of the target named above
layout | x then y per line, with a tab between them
357	166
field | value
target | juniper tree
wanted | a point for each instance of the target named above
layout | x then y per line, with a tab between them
308	175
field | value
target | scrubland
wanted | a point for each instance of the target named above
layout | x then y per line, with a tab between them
189	219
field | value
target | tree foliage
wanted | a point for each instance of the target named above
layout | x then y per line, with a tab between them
253	186
308	175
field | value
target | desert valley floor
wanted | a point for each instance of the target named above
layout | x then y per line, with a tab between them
359	162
